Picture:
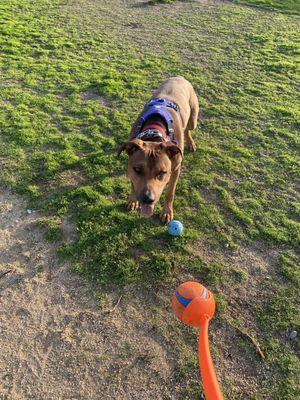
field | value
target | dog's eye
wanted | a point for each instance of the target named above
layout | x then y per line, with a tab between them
138	170
161	175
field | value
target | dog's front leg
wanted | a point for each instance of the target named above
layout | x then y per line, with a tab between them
132	203
167	212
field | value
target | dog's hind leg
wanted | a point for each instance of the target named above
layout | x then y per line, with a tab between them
192	122
191	146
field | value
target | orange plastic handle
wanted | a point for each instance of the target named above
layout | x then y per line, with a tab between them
209	380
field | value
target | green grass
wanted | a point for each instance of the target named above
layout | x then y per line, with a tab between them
290	6
69	92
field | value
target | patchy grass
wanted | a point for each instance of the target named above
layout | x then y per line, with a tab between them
69	92
52	226
278	312
290	6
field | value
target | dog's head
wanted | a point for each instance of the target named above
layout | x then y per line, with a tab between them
149	168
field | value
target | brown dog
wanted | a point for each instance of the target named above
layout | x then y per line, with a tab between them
156	144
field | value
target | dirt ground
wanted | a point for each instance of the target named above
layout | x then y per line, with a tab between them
65	338
61	338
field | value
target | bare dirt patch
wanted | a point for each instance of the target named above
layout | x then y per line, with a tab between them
62	337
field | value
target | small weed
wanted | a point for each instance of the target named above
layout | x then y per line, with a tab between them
52	226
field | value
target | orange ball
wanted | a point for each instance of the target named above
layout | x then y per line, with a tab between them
192	303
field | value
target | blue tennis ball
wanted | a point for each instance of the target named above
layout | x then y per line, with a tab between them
175	228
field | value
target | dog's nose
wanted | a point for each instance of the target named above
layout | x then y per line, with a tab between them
147	198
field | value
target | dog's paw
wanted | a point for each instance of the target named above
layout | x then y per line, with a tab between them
132	205
167	214
191	146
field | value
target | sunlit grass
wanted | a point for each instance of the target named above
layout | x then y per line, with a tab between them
69	93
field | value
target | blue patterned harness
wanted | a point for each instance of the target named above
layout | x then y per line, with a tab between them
157	107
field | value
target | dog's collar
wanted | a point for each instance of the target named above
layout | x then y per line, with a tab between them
153	135
155	132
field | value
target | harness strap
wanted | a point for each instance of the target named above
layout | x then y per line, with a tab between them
158	107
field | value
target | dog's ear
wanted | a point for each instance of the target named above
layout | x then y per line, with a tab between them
131	146
173	150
